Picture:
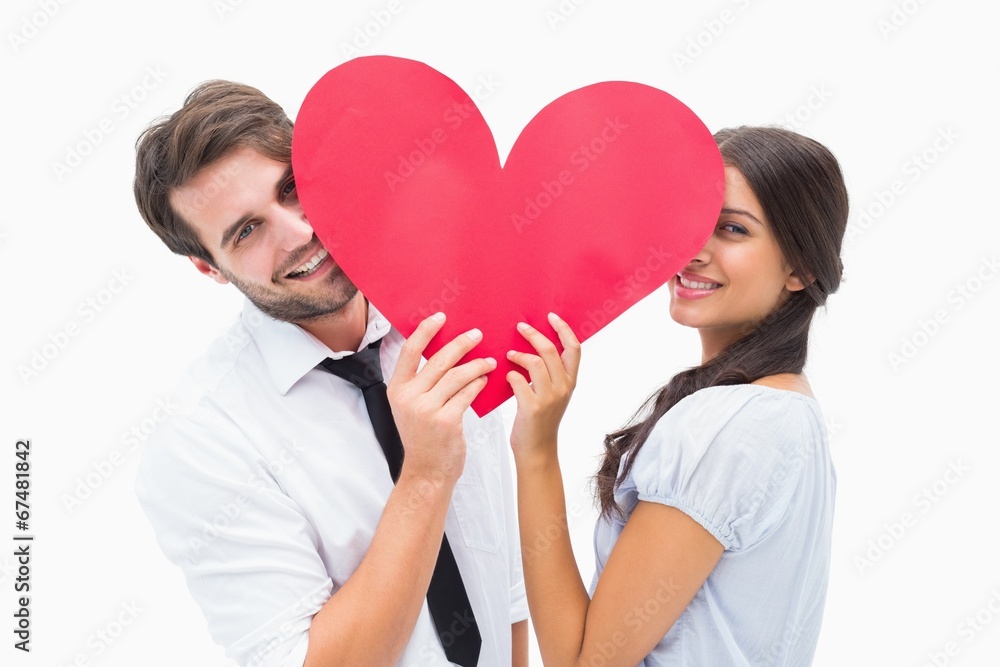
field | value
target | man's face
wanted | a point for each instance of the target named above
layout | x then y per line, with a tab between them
246	211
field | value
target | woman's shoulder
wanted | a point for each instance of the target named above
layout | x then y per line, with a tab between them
788	382
730	451
766	392
768	408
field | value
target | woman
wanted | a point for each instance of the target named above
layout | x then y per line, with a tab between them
713	545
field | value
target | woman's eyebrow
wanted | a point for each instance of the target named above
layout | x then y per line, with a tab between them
739	211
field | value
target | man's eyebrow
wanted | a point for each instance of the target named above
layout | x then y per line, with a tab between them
739	211
232	229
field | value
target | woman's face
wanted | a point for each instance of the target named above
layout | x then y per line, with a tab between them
737	278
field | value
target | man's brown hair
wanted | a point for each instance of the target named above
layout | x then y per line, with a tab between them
217	117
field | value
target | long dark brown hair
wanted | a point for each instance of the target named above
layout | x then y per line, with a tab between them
800	187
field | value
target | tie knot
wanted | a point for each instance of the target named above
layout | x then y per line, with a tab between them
363	369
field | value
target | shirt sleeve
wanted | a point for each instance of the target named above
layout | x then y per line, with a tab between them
248	553
728	457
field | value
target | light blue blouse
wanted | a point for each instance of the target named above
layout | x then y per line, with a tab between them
752	465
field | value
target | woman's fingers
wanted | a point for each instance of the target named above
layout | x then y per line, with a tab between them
570	343
533	364
549	365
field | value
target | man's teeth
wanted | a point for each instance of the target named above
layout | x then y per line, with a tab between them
308	267
690	284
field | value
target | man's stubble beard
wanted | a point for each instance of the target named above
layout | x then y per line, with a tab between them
296	307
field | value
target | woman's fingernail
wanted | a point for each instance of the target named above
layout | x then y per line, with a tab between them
553	316
491	361
438	317
522	326
510	354
475	334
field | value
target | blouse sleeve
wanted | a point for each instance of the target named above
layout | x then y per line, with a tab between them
728	457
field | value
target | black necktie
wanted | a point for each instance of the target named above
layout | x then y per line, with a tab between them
446	597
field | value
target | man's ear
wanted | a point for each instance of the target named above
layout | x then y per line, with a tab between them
209	270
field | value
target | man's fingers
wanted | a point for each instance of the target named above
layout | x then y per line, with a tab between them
413	349
463	398
445	359
452	382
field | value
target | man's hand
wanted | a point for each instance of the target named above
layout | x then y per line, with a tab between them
371	618
428	404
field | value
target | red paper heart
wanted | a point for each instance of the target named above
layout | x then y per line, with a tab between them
607	193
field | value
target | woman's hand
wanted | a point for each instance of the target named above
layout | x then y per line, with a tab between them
541	404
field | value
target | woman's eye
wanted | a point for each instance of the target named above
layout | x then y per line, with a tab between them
734	228
288	188
246	231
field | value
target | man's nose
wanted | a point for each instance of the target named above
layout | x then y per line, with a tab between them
293	230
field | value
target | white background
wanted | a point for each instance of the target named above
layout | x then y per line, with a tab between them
879	99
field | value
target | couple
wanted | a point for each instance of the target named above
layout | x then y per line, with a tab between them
270	487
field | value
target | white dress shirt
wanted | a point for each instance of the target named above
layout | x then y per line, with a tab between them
266	485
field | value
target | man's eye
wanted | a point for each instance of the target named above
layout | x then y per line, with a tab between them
288	188
246	231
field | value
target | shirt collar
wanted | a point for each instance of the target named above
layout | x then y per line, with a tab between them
289	351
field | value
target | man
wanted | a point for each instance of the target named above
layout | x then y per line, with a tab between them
269	486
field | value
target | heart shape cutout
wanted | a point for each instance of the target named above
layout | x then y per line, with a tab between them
607	193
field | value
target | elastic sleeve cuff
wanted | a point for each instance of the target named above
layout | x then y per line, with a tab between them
723	536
